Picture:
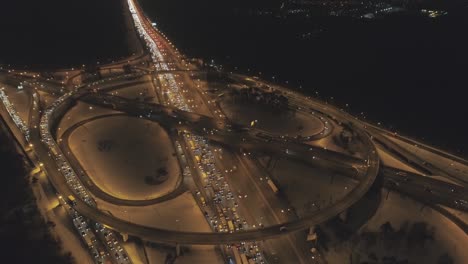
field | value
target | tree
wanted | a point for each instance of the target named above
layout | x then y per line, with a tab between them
418	234
387	228
369	239
445	259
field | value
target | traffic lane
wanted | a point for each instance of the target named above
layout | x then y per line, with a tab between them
259	210
278	209
455	190
160	235
203	238
202	124
202	104
154	234
216	238
420	162
268	209
279	250
330	162
423	146
244	193
320	157
427	189
430	198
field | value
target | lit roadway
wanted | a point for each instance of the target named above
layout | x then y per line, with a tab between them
346	164
422	188
173	117
225	133
160	235
426	189
415	161
230	135
171	236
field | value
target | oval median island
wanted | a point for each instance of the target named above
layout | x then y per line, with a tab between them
126	157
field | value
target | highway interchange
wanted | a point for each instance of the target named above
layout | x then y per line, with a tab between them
206	127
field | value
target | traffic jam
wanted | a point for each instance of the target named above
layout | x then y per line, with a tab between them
14	114
216	198
106	246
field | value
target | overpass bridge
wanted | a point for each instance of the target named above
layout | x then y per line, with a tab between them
172	236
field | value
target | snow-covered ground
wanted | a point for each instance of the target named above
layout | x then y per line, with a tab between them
46	98
134	252
63	231
190	255
138	92
200	254
308	188
280	124
390	161
330	143
81	111
120	152
181	213
402	212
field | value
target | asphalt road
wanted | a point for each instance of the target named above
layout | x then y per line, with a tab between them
415	160
168	236
247	142
159	235
240	139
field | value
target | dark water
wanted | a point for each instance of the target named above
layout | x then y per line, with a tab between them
408	72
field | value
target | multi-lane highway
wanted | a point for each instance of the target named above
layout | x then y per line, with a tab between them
159	235
198	129
208	238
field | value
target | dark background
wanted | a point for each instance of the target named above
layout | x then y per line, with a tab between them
407	72
60	33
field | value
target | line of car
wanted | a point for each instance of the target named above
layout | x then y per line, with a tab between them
117	253
19	122
222	218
